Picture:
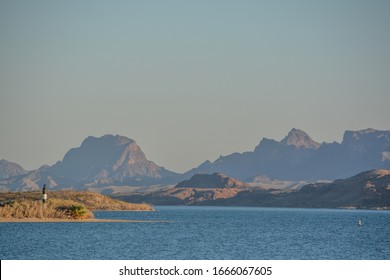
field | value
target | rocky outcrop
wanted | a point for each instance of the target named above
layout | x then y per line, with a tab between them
215	180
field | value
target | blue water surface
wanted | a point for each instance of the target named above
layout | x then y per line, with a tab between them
183	232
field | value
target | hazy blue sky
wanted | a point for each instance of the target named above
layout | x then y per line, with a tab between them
188	80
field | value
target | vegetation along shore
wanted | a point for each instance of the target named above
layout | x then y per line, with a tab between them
60	206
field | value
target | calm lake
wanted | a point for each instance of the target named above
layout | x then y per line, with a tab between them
206	233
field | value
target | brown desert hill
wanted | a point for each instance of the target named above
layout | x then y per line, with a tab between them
181	196
215	180
60	205
369	189
366	190
199	189
94	201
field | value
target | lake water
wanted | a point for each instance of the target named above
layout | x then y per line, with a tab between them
206	233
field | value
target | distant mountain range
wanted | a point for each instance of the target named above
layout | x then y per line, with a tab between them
118	161
367	190
298	157
108	160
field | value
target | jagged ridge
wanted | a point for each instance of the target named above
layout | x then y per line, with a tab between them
298	157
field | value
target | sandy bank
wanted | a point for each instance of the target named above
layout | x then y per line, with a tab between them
36	220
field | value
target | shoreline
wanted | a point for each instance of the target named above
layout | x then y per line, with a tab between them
37	220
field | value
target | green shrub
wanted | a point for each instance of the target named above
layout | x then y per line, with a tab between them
75	211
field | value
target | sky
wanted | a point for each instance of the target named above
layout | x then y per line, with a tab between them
188	80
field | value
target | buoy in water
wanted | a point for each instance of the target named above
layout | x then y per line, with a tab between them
360	222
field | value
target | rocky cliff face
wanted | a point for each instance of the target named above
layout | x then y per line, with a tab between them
108	159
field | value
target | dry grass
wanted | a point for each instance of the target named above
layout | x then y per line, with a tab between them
95	201
53	209
60	205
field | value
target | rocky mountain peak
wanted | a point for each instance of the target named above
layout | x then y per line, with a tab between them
299	138
106	141
368	134
9	169
108	158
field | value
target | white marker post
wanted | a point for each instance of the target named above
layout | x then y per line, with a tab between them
44	195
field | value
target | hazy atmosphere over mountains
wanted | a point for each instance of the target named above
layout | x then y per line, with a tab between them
188	80
117	160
